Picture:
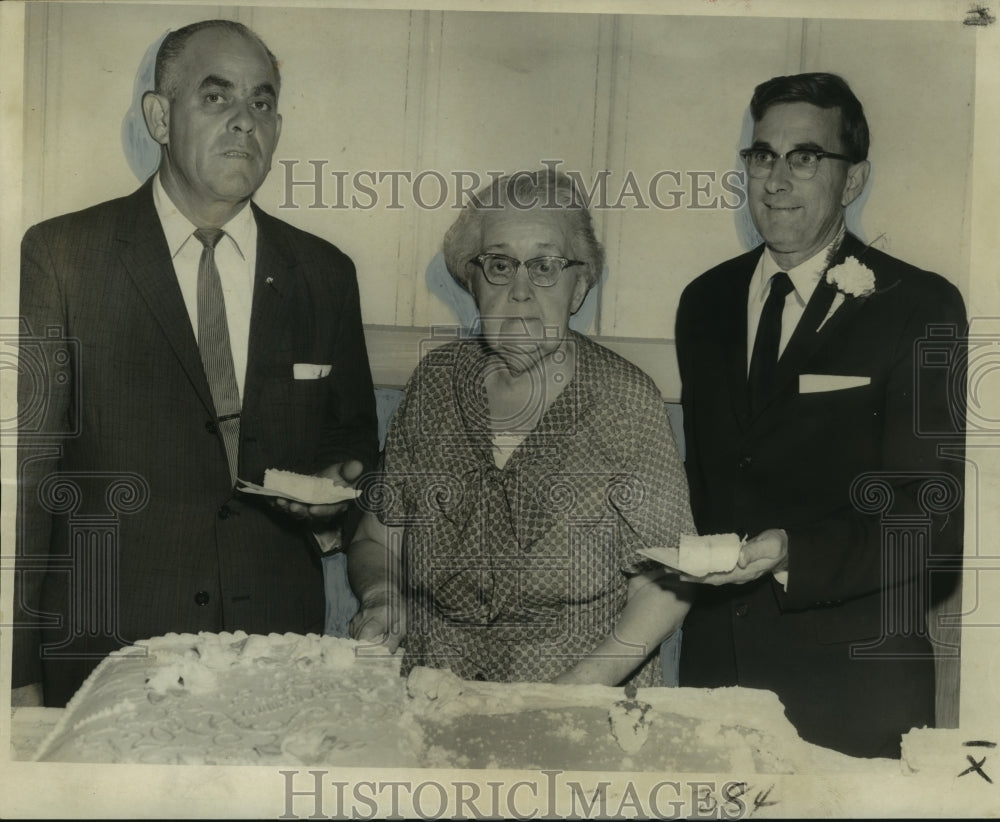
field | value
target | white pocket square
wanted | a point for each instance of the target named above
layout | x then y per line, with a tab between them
815	383
310	371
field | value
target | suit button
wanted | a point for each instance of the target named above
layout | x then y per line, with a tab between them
745	462
201	598
742	609
211	427
224	512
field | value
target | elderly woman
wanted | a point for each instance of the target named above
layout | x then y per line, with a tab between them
522	472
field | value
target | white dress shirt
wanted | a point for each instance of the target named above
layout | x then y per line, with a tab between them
236	259
805	277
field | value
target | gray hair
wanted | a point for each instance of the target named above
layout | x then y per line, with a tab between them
547	190
173	45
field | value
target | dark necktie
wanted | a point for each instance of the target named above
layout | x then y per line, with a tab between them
216	352
764	361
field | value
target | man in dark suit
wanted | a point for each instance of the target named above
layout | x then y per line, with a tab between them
814	427
184	338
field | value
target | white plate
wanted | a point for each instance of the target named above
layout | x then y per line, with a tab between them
665	556
337	494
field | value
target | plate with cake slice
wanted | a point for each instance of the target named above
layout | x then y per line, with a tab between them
699	556
304	488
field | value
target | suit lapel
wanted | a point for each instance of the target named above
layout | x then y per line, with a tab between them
733	325
805	339
851	247
809	336
146	258
273	297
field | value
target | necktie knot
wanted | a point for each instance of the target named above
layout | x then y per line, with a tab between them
781	286
209	237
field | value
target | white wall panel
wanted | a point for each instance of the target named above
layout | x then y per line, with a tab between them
916	81
444	93
680	110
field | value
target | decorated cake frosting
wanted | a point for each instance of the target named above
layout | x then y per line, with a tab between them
236	699
593	727
310	700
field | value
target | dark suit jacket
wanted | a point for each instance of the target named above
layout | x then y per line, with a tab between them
123	480
859	544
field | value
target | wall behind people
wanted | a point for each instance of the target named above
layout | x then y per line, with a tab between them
397	113
667	91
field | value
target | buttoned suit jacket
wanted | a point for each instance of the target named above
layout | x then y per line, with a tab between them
866	480
124	487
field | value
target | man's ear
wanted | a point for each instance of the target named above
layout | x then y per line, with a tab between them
156	111
857	176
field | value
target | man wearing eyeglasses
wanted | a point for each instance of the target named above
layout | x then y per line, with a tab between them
814	429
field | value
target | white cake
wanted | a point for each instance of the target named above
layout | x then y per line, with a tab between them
950	750
306	488
236	699
310	700
592	727
700	556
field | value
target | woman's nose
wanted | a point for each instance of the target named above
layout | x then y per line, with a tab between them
521	287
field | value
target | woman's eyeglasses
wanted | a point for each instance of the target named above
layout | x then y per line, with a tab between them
500	269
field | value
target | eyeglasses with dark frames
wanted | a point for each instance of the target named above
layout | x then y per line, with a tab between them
802	162
500	269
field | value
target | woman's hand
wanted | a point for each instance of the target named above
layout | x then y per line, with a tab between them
656	606
381	619
374	570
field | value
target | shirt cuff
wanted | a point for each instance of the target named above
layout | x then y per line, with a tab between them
328	541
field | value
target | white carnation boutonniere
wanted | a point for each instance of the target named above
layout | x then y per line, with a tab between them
852	277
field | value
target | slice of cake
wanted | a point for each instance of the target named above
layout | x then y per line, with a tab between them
306	488
708	554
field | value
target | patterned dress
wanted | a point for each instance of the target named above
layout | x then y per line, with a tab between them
514	574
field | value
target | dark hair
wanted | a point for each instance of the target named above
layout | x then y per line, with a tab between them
823	90
174	44
524	190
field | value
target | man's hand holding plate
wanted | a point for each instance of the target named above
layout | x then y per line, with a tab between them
318	516
765	553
